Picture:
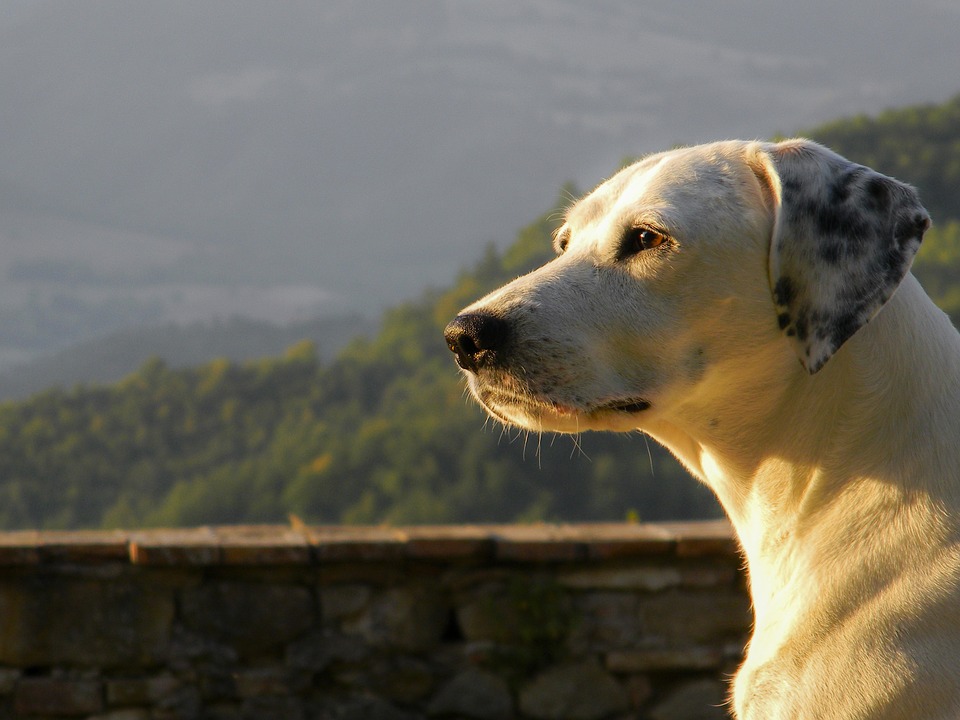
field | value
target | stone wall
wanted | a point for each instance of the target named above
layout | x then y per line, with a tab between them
538	622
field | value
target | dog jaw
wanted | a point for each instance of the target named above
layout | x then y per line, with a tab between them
541	414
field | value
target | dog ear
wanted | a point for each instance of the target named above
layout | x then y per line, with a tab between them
843	240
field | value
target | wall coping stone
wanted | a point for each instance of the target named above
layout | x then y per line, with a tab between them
312	545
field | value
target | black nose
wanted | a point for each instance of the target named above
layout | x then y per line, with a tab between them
475	338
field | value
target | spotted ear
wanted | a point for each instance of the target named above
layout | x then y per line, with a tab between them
843	240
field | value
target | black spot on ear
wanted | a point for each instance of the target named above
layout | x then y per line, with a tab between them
783	291
801	326
843	327
783	319
878	195
909	228
791	184
839	192
831	249
844	232
841	188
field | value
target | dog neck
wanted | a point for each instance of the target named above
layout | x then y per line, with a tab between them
784	456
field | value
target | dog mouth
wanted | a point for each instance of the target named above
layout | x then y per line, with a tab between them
529	410
627	406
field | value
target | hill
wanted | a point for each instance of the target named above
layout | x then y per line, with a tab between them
382	433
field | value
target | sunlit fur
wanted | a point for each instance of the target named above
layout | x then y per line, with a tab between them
842	479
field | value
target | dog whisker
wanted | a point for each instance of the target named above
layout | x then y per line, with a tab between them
646	441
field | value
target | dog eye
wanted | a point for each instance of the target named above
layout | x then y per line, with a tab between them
641	239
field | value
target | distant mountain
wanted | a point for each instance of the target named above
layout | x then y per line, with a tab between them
108	359
155	155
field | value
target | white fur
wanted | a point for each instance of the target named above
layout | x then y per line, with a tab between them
843	486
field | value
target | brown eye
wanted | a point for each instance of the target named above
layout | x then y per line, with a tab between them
648	239
640	239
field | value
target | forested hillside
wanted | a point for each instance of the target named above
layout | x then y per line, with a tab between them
384	433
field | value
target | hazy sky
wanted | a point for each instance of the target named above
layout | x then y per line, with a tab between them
268	156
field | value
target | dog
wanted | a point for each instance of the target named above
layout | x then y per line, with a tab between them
750	306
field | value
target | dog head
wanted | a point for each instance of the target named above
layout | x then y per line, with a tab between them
689	275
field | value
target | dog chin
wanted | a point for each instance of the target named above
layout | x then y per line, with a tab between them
538	416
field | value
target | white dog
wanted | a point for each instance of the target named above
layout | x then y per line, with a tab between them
686	288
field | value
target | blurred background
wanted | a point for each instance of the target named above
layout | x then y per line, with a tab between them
187	181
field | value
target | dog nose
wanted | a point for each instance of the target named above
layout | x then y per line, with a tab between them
475	338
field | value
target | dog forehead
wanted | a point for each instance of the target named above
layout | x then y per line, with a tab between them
625	187
673	187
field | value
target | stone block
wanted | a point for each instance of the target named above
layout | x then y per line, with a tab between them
639	690
448	542
695	700
222	711
473	694
411	617
183	704
487	620
343	600
606	621
83	546
622	577
217	684
698	539
538	544
355	707
20	547
573	692
189	650
659	659
251	617
356	544
140	691
123	714
400	679
53	619
607	541
54	696
8	680
683	618
272	708
320	648
517	610
266	681
262	545
182	547
707	576
374	573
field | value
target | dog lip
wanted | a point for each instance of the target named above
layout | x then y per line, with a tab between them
628	406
